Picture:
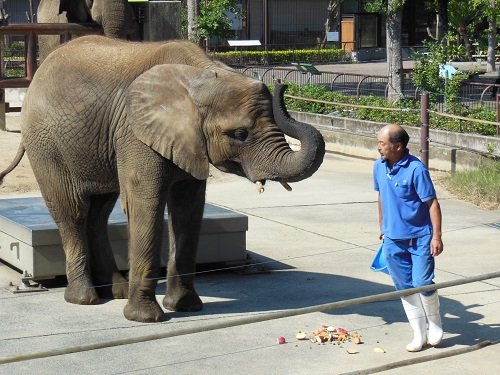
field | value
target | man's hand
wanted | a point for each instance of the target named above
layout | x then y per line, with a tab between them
436	246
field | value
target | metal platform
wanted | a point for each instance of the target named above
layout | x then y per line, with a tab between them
30	241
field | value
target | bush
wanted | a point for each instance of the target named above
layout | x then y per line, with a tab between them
408	110
281	57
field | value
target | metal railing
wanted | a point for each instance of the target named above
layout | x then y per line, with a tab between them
30	32
472	94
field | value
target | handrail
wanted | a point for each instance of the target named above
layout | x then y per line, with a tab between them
50	28
30	31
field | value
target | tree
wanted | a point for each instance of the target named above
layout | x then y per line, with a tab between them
213	20
461	16
491	9
394	50
442	19
492	13
332	21
393	10
193	11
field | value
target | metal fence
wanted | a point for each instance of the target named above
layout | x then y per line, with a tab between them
472	94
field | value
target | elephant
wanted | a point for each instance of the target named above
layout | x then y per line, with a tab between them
105	119
115	16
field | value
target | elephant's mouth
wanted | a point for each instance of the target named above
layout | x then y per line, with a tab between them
229	166
260	185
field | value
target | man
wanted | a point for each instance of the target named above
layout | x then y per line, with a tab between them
410	226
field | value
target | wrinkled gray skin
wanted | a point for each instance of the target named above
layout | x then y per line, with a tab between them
105	117
115	17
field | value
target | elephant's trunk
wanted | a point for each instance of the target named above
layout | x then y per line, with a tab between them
301	164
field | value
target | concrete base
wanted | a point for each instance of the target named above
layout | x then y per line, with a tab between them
29	238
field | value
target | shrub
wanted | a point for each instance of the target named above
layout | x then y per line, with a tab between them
408	110
281	57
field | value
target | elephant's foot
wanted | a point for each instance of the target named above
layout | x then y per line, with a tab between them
81	295
116	289
188	301
144	312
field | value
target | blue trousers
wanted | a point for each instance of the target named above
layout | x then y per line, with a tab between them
409	262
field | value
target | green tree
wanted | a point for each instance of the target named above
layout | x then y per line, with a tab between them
393	9
213	20
491	9
333	18
462	16
192	12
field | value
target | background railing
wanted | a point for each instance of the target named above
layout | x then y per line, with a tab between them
472	94
29	64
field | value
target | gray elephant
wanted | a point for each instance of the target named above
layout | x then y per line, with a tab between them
105	117
115	16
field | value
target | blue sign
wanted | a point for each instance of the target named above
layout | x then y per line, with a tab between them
447	71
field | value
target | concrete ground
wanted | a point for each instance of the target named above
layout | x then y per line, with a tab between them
313	246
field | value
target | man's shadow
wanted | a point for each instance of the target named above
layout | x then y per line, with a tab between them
281	287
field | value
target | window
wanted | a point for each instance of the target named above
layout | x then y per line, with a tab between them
368	30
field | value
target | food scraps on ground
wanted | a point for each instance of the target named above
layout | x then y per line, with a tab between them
281	340
330	334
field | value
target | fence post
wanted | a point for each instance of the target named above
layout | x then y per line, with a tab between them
498	113
3	124
424	128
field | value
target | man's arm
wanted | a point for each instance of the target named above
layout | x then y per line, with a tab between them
380	216
436	219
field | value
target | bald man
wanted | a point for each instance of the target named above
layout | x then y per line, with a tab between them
410	227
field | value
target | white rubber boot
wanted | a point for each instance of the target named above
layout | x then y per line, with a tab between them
416	316
431	308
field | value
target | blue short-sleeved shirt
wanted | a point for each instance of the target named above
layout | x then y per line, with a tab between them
404	191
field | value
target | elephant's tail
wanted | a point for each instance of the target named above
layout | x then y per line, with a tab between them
15	162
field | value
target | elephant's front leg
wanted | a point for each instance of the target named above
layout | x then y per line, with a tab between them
145	217
186	201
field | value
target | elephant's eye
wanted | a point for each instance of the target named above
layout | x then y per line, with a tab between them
238	134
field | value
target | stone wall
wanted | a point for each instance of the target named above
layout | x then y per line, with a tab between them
448	151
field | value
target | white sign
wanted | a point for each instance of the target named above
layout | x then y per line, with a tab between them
332	36
243	43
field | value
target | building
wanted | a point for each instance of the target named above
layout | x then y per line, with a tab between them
299	22
19	10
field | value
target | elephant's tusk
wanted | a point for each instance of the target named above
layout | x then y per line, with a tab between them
286	186
260	186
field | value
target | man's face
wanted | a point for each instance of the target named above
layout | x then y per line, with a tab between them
387	150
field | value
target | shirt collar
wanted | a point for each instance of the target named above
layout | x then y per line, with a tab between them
401	163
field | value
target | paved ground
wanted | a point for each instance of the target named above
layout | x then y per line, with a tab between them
316	243
379	68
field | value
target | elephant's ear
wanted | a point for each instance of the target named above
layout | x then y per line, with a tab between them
162	114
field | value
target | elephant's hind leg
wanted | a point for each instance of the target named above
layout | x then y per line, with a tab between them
68	207
71	218
108	281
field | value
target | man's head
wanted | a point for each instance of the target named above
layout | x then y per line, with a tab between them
392	142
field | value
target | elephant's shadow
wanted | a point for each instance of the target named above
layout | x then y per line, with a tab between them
283	287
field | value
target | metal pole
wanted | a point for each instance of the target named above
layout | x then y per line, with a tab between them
498	114
3	123
266	23
206	39
424	128
249	319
